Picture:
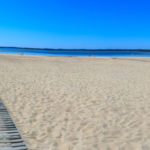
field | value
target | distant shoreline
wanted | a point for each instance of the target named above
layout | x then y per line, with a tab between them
78	49
77	52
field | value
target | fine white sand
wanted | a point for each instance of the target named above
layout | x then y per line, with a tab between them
67	103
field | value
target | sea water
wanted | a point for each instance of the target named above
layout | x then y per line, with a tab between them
63	52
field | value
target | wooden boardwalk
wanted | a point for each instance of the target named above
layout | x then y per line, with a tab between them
10	138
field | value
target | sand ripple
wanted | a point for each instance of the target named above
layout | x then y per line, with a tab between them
71	103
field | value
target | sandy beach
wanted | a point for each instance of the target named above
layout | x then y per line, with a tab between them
70	103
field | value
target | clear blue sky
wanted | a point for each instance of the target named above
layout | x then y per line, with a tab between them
75	23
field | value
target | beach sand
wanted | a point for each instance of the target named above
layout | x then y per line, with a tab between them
68	103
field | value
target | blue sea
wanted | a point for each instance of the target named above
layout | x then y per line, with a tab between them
78	53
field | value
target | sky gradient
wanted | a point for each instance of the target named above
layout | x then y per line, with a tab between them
75	23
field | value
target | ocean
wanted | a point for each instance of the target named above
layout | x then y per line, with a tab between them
77	53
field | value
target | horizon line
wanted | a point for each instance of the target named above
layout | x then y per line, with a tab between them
21	47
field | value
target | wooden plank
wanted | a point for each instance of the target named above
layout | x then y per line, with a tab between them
10	139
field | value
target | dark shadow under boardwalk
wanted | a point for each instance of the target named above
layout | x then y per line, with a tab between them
10	138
